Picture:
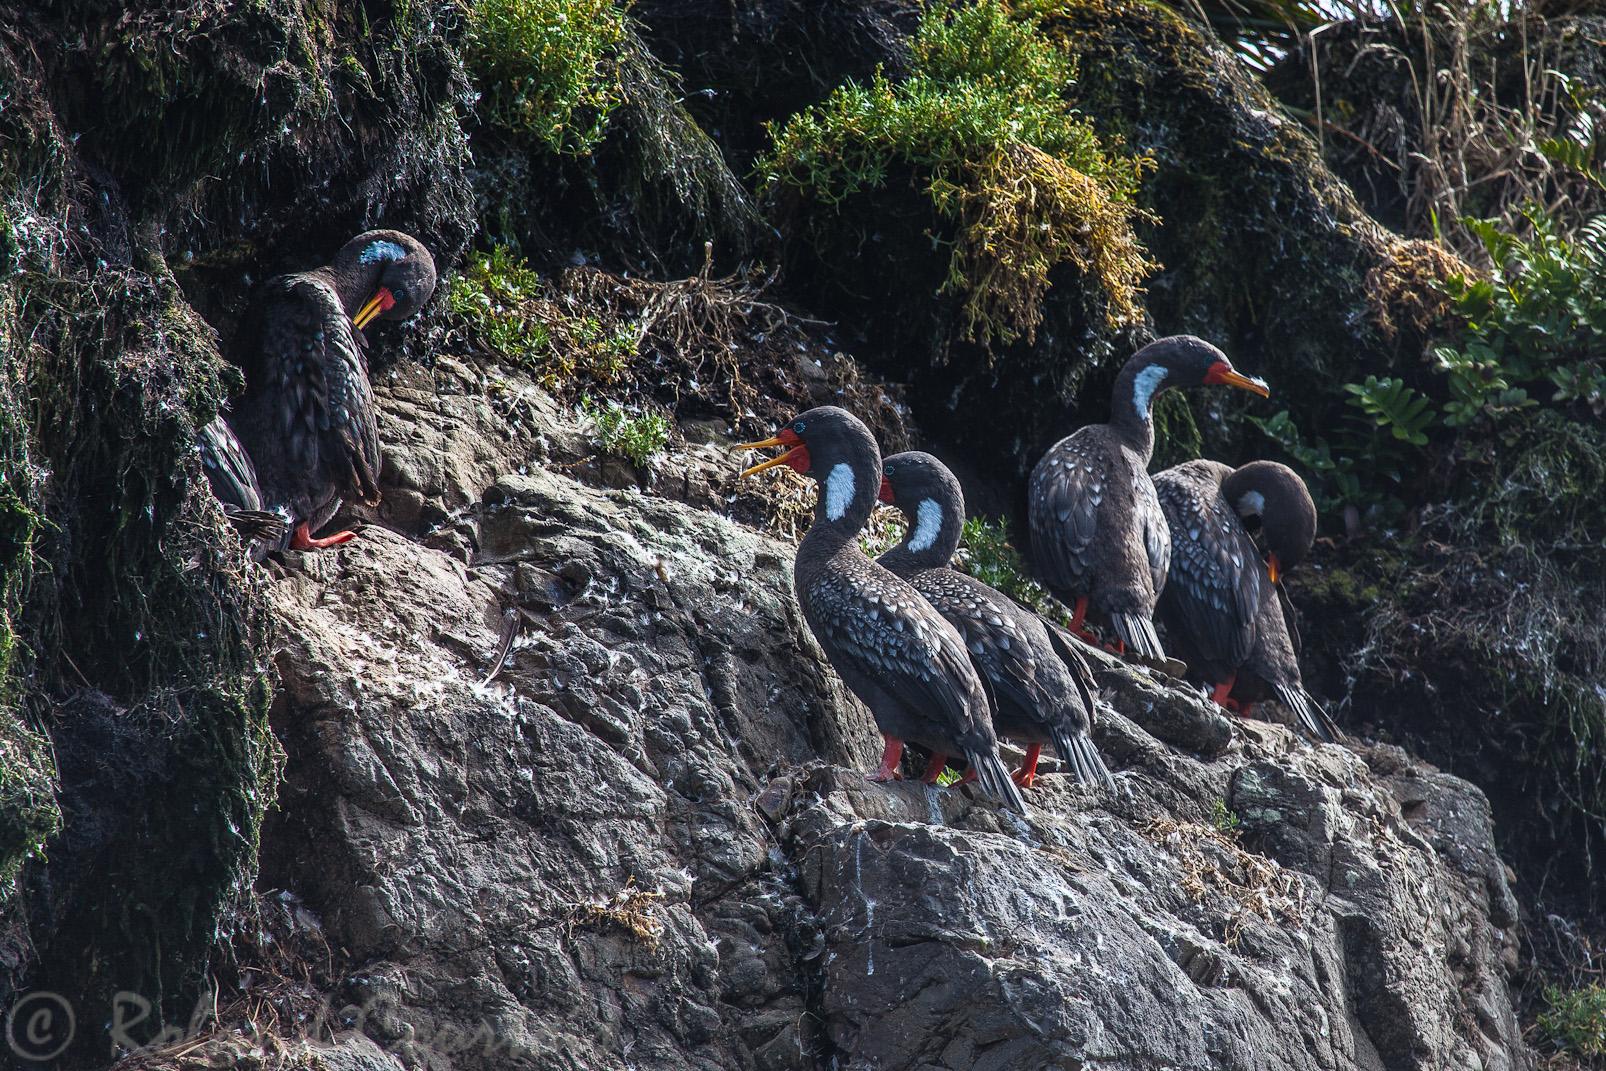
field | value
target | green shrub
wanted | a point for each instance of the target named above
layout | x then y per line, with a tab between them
1536	324
636	438
1576	1020
986	554
514	315
983	122
545	68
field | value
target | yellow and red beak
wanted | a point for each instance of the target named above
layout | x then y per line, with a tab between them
1275	566
885	494
797	457
382	301
1222	372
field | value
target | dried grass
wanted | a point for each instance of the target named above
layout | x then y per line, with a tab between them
631	909
1408	288
1213	861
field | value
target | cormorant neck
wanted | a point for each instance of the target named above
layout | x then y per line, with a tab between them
1132	403
847	495
932	537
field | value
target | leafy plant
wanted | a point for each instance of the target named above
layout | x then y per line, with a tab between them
986	554
1539	320
545	67
982	120
1225	821
1575	1020
635	438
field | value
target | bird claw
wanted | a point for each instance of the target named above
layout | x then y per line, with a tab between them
883	776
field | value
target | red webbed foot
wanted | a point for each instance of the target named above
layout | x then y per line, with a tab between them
934	768
302	539
888	770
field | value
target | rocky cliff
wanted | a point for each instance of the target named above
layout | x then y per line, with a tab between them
644	838
544	770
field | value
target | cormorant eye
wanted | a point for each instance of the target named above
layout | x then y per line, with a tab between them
798	427
399	293
887	471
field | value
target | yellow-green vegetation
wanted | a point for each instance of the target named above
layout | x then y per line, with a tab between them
547	68
633	436
514	315
1575	1020
982	125
986	554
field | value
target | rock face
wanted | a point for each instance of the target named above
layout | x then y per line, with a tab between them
647	841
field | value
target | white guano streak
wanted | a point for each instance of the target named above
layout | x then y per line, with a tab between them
928	523
838	491
1148	381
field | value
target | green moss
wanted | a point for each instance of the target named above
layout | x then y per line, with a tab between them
980	124
636	437
547	69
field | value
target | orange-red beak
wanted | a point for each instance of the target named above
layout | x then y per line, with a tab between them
1276	567
885	494
1222	372
797	457
382	301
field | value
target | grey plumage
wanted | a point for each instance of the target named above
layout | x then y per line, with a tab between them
1042	691
1221	609
307	416
1098	534
891	648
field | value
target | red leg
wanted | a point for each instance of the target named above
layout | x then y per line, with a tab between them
970	775
888	770
934	768
1078	629
1028	766
1223	688
1119	648
302	539
1243	708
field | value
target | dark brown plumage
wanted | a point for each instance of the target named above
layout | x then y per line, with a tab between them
1222	606
888	644
307	415
1043	691
233	480
1097	530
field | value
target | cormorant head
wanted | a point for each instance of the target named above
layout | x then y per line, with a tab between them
1276	495
832	446
1181	361
930	498
387	275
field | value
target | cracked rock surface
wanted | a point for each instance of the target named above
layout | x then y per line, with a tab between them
647	840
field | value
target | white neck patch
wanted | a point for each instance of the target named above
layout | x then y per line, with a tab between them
838	491
382	251
1148	381
1250	503
928	524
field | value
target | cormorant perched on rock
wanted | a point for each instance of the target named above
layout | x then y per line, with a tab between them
1221	605
233	480
1097	531
1043	690
307	416
889	645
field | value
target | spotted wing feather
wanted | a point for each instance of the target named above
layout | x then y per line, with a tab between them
994	641
1067	487
888	633
1214	582
312	356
